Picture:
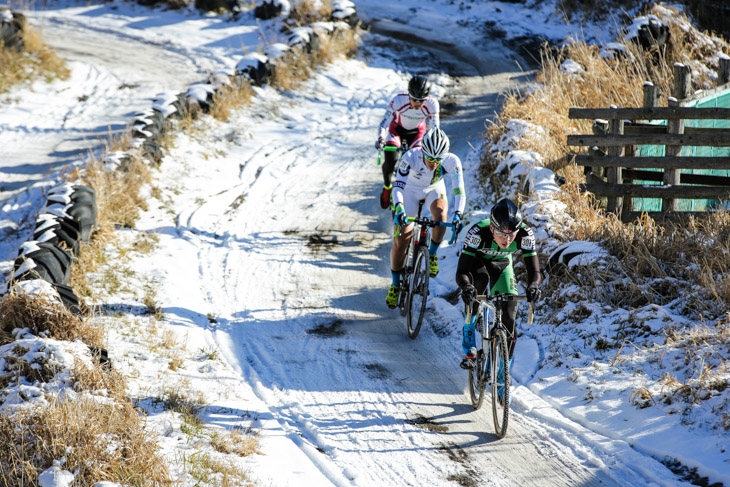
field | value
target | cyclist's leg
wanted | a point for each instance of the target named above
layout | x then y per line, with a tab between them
412	137
390	158
439	206
400	246
480	280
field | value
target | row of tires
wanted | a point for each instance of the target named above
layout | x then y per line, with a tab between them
255	69
43	264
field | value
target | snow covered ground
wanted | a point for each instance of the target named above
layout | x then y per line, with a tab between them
271	265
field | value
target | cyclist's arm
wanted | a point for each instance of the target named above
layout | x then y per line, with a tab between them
470	261
433	119
468	266
457	183
399	185
385	122
529	255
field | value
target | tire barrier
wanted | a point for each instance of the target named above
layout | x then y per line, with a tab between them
201	94
344	10
648	31
305	38
42	260
255	68
268	9
58	230
12	26
75	201
571	254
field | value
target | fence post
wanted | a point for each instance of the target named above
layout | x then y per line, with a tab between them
723	72
680	91
614	174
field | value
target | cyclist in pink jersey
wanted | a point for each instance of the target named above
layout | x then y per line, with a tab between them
406	120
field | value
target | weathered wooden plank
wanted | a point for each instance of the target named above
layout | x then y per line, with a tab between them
682	162
646	128
658	191
716	139
661	217
656	113
684	178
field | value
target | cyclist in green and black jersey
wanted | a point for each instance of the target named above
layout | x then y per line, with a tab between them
486	260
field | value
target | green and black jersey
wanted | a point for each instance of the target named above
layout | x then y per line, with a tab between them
482	261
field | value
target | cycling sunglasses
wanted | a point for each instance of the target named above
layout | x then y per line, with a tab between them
508	233
416	99
433	160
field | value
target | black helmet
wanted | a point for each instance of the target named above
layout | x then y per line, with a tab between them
505	216
419	87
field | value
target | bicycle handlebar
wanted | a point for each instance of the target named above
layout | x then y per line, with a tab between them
388	148
502	298
432	223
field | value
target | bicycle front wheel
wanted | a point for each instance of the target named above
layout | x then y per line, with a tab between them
418	292
500	383
478	380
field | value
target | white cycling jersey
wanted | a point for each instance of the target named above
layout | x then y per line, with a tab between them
415	181
400	113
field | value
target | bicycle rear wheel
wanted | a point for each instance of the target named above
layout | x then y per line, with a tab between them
418	292
500	385
478	380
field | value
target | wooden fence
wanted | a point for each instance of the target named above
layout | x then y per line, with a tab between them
617	132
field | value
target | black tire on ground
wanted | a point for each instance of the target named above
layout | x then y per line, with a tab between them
418	292
500	408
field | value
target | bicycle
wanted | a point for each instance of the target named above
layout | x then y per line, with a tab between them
493	355
416	271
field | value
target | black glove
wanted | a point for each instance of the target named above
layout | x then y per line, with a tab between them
533	293
468	293
379	143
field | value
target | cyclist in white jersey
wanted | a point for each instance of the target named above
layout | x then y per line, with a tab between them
420	177
407	118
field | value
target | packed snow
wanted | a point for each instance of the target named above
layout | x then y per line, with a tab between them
270	266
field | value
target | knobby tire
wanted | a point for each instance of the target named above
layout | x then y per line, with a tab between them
478	380
418	292
500	405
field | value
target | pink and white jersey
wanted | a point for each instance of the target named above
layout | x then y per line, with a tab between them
401	114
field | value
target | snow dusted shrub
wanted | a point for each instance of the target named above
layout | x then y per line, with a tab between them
41	318
34	60
230	98
95	439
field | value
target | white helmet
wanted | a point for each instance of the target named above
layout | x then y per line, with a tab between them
435	143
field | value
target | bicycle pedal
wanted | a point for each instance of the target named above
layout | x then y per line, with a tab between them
467	364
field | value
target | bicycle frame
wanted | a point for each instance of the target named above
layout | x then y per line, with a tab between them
416	269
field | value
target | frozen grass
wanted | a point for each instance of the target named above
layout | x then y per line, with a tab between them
35	61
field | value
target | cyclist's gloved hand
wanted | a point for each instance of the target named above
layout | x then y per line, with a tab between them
456	222
468	293
400	215
379	143
533	293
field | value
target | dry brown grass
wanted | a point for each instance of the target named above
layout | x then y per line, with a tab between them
297	65
100	442
242	442
304	12
643	248
118	202
230	98
45	319
35	61
97	378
